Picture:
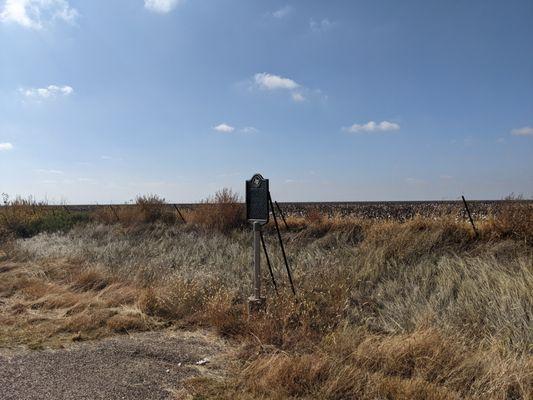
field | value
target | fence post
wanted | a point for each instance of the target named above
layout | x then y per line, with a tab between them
179	213
282	216
470	217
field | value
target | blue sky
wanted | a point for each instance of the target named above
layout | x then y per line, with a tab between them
331	100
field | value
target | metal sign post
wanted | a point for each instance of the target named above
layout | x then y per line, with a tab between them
257	212
257	263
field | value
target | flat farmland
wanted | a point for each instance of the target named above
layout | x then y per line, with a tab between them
394	210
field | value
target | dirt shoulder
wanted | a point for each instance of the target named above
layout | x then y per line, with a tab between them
149	365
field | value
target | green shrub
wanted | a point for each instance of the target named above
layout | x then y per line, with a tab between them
53	221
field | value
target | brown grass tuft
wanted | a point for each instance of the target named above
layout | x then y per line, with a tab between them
91	279
421	365
223	212
123	323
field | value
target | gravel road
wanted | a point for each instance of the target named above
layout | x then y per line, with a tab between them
149	365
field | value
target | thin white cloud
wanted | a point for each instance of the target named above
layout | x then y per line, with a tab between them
34	14
48	92
224	128
321	26
415	181
87	180
6	146
161	6
282	12
49	171
295	181
298	97
249	129
372	127
525	131
110	158
268	81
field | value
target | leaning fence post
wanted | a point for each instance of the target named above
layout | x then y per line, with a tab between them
268	262
282	216
179	213
470	216
281	245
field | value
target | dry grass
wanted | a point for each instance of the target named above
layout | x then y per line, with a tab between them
148	208
515	220
50	304
415	310
421	365
27	217
223	212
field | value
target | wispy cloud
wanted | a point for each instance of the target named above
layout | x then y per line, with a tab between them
415	181
48	92
249	129
270	82
372	127
290	181
49	171
110	158
90	181
34	14
298	97
224	128
525	131
161	6
6	146
321	26
282	12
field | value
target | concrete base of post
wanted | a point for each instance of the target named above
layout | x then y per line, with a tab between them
256	305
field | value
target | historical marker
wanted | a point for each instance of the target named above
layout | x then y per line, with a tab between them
257	211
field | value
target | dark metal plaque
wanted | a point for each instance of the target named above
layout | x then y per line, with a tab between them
257	209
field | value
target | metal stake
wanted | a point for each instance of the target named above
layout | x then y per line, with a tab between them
470	216
281	245
282	216
268	263
179	212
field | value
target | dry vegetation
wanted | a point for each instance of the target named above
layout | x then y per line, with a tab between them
420	309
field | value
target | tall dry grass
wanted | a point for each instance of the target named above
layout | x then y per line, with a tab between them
148	208
420	309
222	212
26	217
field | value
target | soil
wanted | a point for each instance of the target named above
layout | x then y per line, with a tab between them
149	365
